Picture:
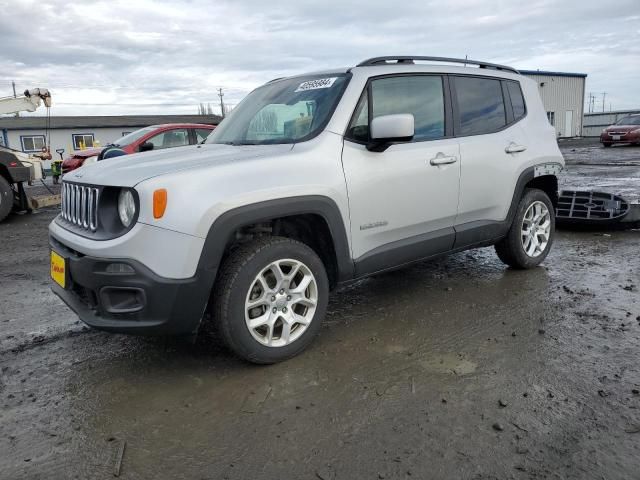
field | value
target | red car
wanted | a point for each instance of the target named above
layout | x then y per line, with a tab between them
154	137
625	130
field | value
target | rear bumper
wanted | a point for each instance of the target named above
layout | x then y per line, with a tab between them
135	302
20	174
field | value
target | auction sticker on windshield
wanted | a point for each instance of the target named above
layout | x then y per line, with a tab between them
316	84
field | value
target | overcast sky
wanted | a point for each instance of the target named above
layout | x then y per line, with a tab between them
156	57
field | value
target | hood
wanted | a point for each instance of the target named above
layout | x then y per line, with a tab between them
129	170
86	153
622	128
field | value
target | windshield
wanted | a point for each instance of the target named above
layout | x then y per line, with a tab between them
285	111
631	120
132	137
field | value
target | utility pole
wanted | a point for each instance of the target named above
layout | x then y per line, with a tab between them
220	94
604	95
13	84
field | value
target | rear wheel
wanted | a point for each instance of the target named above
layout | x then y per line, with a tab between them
6	198
270	299
531	234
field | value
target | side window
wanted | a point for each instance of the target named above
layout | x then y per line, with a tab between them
480	105
359	128
517	100
170	138
202	134
420	95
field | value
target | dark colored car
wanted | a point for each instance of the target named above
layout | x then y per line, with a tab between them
625	130
154	137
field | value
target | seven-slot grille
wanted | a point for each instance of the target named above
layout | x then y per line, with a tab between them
80	205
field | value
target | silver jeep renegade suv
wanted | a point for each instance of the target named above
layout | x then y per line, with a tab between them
310	182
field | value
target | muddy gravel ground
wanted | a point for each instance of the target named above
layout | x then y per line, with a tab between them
457	368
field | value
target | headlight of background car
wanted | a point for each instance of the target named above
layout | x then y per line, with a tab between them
126	207
90	160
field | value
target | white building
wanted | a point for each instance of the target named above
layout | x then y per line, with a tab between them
563	98
27	134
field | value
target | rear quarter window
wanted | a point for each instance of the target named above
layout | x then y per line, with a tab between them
480	105
517	100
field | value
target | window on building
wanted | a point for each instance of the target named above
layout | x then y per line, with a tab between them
170	138
551	116
480	105
82	140
517	100
124	134
32	143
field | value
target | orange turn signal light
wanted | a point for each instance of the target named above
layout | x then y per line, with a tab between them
159	202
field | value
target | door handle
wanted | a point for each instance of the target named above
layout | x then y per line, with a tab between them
442	159
515	148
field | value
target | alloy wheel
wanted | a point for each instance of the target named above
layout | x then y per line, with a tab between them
281	303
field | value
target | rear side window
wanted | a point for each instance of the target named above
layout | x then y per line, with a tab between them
517	100
202	134
480	105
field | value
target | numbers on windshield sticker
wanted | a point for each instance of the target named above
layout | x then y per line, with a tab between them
316	84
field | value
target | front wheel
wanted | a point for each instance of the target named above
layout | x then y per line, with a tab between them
606	144
531	234
270	299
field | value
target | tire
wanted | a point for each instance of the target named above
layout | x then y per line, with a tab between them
511	249
6	198
606	144
238	282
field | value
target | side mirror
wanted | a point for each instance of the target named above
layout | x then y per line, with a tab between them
145	147
390	128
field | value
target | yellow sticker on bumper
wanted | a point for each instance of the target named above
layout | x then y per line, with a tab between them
58	269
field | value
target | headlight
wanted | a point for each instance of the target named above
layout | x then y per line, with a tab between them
90	160
126	207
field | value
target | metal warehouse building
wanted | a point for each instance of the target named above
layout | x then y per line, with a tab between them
563	98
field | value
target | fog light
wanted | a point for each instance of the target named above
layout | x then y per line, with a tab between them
121	268
122	300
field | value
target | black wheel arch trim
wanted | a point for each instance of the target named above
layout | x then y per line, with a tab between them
222	230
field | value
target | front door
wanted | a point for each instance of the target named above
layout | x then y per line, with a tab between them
403	201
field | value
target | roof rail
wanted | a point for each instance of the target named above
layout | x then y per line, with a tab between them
411	59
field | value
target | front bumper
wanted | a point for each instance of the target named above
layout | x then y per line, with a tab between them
630	137
137	302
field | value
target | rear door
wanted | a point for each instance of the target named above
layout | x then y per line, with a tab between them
493	149
403	201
